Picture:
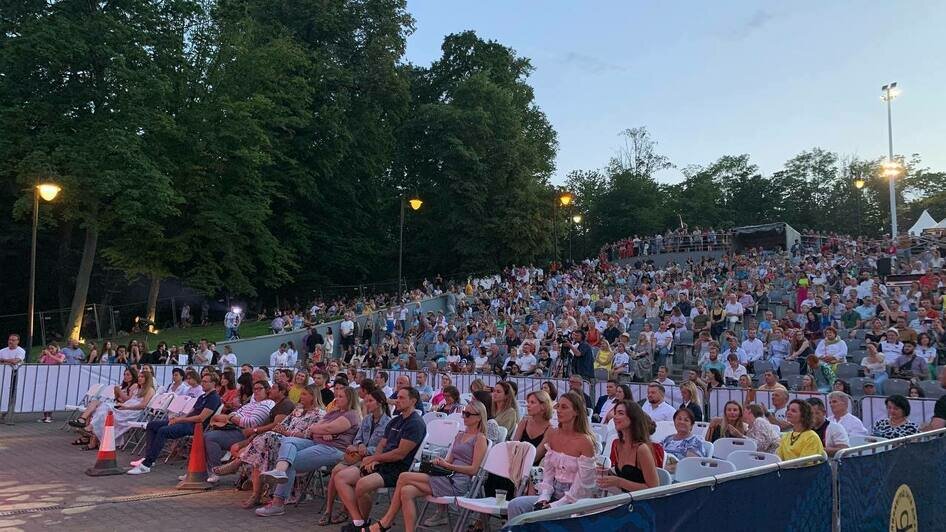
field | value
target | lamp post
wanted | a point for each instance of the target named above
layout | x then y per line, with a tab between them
415	204
47	191
859	183
564	200
576	219
890	91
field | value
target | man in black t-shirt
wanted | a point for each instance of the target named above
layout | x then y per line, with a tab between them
393	456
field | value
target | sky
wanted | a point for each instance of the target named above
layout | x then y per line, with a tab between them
713	78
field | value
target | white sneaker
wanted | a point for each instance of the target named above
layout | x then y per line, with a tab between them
140	469
48	420
182	477
138	462
213	479
274	477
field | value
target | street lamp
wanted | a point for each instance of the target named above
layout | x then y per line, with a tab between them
890	91
47	191
859	183
415	204
576	219
566	199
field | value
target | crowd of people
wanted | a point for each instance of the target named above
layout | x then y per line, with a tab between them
753	320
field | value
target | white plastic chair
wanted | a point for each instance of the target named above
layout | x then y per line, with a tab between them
178	403
664	429
691	468
708	449
497	463
700	428
749	459
430	416
441	432
724	446
860	439
665	478
458	417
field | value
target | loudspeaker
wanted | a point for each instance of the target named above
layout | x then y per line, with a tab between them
883	267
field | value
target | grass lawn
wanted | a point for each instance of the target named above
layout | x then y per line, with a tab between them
214	333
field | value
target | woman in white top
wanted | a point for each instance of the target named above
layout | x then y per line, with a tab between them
329	343
875	367
927	351
831	350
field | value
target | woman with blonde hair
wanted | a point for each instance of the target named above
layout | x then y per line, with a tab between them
605	357
505	408
462	463
568	459
538	418
692	400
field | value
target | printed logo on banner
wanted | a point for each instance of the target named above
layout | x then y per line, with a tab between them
903	511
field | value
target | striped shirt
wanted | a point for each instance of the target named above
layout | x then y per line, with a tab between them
253	414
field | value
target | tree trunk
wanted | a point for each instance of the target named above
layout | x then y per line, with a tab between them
62	284
153	301
74	327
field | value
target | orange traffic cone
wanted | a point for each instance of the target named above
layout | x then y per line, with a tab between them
196	478
105	462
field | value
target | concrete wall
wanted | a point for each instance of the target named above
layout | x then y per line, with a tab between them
257	350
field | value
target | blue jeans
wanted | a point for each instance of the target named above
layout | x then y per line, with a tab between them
303	456
660	358
159	432
218	442
521	505
231	333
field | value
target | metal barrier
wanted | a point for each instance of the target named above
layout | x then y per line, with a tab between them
718	397
873	408
593	506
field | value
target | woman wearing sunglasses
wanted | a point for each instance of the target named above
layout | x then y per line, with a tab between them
464	460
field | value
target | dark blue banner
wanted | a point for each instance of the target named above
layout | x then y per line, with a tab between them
794	499
900	489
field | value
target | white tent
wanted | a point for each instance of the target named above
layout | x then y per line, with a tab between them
925	222
941	224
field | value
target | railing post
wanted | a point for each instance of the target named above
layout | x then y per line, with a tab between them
12	406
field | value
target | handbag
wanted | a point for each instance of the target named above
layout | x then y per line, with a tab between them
434	470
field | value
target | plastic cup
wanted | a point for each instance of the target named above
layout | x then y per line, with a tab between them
500	497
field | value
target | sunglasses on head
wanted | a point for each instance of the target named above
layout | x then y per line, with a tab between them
469	414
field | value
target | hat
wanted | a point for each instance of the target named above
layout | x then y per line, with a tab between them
869	382
894	330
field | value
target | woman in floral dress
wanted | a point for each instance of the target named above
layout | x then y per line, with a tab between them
261	453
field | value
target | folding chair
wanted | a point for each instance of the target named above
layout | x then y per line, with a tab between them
497	463
76	409
156	409
475	484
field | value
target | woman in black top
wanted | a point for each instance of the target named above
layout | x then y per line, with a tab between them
536	423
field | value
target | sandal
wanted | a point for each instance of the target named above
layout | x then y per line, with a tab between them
380	527
229	468
78	422
81	441
325	520
252	502
341	517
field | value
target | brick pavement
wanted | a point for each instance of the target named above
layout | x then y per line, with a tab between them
43	485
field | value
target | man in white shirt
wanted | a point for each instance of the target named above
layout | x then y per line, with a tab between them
662	376
733	371
655	407
204	355
527	360
734	310
833	436
229	359
12	354
753	347
280	357
839	403
621	363
663	344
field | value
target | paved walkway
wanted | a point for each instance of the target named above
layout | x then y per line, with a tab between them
43	485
